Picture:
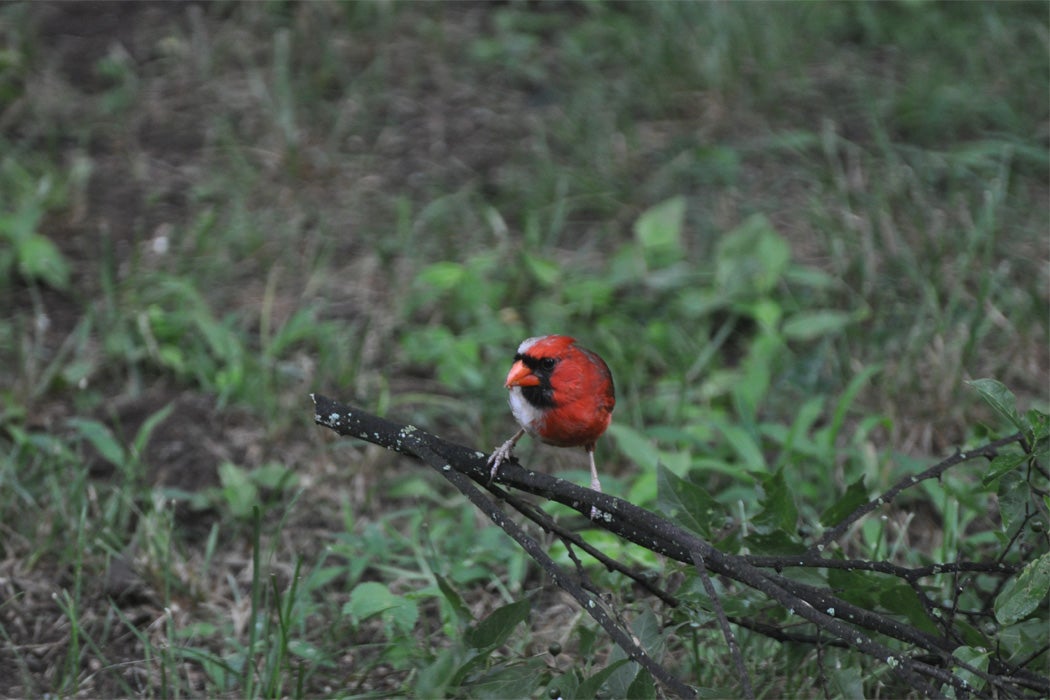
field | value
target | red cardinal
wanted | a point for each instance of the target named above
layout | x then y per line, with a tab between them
560	393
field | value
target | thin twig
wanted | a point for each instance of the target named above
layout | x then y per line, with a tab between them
723	623
934	472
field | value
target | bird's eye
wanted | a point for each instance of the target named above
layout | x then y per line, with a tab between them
548	363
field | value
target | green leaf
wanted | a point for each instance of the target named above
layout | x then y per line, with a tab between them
1040	423
743	443
846	400
518	680
1002	464
369	599
856	494
900	598
684	502
148	426
238	490
498	626
101	438
544	271
1002	401
776	542
635	446
976	657
1022	595
751	259
372	598
274	476
442	276
590	687
435	678
1013	493
642	687
810	325
647	630
39	258
659	232
305	650
858	587
454	599
846	682
778	510
757	371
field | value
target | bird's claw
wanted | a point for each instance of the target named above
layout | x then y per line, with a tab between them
499	455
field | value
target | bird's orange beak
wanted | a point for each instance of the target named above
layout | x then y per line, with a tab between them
520	375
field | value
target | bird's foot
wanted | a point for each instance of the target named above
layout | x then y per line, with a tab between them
499	455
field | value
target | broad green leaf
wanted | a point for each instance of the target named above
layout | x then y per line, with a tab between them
1013	493
1002	401
684	502
900	598
659	232
274	476
1002	464
856	494
642	687
39	258
1022	595
368	599
101	438
590	686
973	656
859	587
778	510
647	630
498	626
635	446
846	682
1040	423
372	598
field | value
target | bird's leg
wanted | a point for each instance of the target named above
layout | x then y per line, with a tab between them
502	453
595	484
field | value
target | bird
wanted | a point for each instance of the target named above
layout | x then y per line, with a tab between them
561	394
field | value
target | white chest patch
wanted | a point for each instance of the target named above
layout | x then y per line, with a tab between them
527	415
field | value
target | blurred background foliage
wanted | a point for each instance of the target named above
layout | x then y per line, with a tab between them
794	231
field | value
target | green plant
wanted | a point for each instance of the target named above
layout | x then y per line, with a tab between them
24	248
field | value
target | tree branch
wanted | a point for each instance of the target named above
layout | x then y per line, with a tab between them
819	606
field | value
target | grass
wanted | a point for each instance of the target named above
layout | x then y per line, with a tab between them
793	232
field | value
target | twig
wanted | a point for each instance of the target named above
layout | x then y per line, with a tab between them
548	523
723	622
989	450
